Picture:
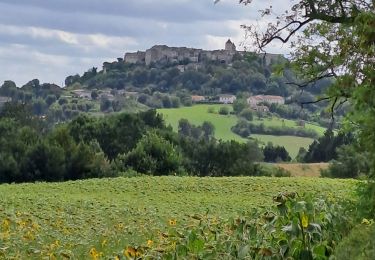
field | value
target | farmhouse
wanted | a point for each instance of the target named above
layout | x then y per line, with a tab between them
198	98
261	109
227	99
255	100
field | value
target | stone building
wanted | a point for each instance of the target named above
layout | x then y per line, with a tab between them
230	46
184	55
136	57
255	100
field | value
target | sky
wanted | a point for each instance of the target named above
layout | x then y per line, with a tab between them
52	39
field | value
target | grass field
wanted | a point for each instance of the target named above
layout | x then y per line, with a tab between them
76	219
274	121
223	124
198	114
291	143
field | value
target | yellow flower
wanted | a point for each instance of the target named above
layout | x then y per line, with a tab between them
104	242
35	226
117	257
6	224
5	235
120	226
150	243
365	221
130	252
29	236
94	253
172	222
305	221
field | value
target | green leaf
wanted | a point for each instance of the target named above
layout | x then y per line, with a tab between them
320	251
181	250
243	252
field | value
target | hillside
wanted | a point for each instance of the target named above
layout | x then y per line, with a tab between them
157	78
76	219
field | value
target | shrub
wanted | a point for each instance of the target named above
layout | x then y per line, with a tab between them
224	111
280	172
247	114
153	155
211	110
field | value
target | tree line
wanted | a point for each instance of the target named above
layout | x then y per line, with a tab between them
88	147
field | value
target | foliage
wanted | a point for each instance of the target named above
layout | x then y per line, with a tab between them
223	111
214	158
275	154
206	131
247	114
245	129
153	155
298	228
117	134
336	40
239	105
324	149
350	163
359	244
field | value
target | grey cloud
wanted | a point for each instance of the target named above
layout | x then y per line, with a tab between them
167	10
148	22
110	22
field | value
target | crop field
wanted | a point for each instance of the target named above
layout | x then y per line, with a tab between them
110	218
199	113
303	169
300	169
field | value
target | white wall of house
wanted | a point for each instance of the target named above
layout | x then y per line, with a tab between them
227	100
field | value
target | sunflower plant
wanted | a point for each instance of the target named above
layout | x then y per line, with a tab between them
297	227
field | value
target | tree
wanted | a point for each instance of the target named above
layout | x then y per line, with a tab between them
325	148
50	99
208	130
8	88
247	114
223	110
349	164
94	95
153	155
39	106
275	153
239	105
105	104
184	127
335	40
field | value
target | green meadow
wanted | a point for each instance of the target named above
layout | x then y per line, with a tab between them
223	123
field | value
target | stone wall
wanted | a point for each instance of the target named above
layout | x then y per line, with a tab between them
163	53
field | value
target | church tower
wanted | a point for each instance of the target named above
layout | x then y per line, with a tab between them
230	46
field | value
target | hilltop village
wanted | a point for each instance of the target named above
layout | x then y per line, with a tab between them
179	55
172	77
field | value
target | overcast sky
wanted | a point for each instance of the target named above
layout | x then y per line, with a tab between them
51	39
